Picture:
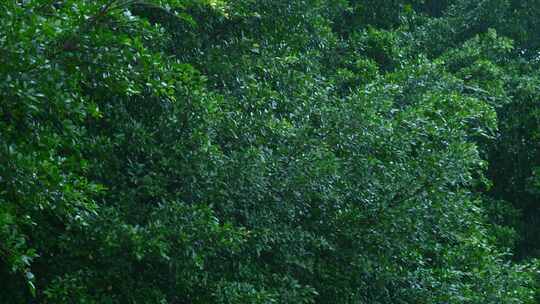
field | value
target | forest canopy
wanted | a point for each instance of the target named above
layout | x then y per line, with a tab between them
270	151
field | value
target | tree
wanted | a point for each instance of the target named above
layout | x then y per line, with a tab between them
253	152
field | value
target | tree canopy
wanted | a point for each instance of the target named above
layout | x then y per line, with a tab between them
263	151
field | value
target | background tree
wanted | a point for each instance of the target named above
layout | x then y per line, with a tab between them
301	151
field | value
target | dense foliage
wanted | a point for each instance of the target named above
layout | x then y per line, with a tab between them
263	151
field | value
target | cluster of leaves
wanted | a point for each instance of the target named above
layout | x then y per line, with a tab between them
306	151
